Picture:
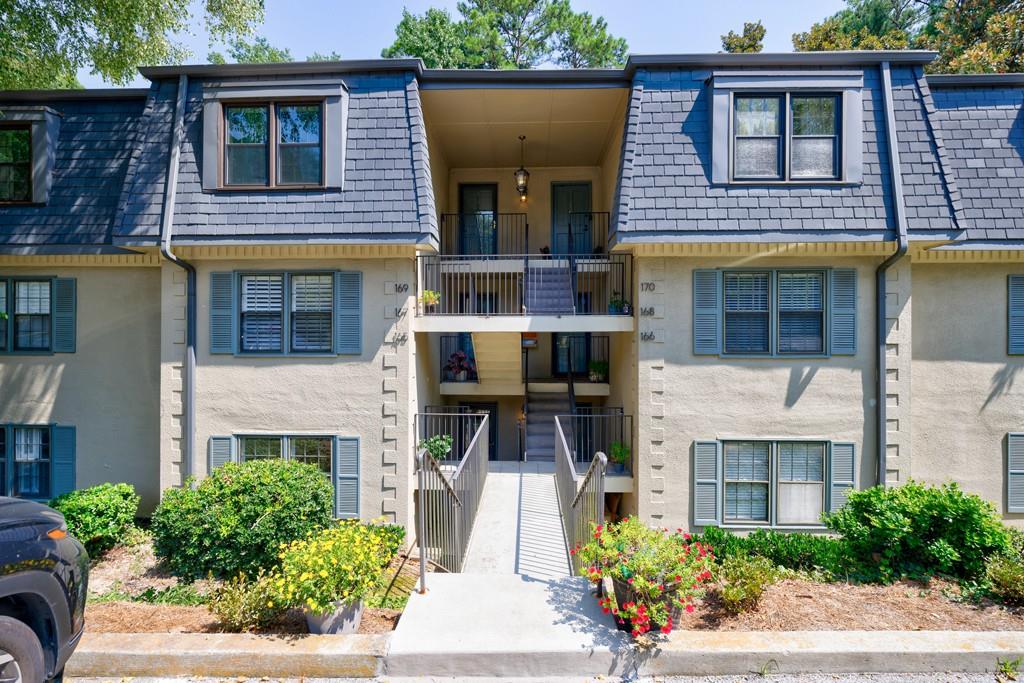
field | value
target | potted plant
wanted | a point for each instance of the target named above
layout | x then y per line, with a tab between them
655	574
598	370
330	573
618	456
438	446
616	304
430	299
459	366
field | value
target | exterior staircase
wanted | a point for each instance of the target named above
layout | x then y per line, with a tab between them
549	289
541	409
498	357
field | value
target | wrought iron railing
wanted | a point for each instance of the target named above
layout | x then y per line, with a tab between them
447	503
484	234
580	497
600	429
583	233
458	358
525	284
461	423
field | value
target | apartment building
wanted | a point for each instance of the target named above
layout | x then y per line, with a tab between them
756	281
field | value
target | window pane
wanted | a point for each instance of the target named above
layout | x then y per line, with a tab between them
32	297
15	164
802	462
299	164
757	157
801	291
261	448
312	302
746	333
15	185
758	115
32	316
801	332
746	502
247	125
813	157
746	312
312	451
3	341
814	115
247	165
32	462
299	123
746	461
262	312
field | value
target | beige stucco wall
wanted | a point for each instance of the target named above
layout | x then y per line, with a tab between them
682	397
108	388
372	396
968	393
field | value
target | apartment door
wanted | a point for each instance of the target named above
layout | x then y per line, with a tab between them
478	218
570	351
491	409
570	234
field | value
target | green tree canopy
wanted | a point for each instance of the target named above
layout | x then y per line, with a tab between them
43	43
751	40
257	51
507	34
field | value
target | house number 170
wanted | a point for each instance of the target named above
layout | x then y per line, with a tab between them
647	287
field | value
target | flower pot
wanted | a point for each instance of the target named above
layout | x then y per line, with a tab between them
627	309
616	468
624	593
597	377
614	309
344	619
461	376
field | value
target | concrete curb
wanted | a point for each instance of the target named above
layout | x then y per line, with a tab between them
228	655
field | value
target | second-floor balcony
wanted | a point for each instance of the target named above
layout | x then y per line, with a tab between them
488	234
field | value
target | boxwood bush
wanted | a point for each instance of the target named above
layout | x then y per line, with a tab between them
100	517
236	520
797	551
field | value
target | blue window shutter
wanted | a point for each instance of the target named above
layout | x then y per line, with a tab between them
707	483
348	312
707	312
65	302
346	477
842	474
223	299
220	451
62	459
1015	473
843	312
1015	335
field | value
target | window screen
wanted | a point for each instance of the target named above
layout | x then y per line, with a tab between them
262	313
32	315
747	480
801	302
758	137
246	154
32	462
815	144
312	303
15	164
299	148
746	312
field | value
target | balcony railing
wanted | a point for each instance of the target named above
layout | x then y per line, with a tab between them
580	496
458	422
533	284
583	233
458	359
484	234
606	430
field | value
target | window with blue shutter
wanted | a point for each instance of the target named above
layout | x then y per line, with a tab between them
747	312
348	302
346	477
262	314
38	315
707	312
843	312
220	451
707	483
222	312
37	461
842	474
1015	472
801	311
62	458
1015	315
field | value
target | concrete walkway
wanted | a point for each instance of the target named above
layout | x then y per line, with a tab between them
518	528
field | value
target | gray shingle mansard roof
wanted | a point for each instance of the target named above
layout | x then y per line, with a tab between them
112	156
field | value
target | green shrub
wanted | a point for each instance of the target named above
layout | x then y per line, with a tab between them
724	544
1006	575
236	520
100	517
744	580
242	604
392	538
916	529
797	551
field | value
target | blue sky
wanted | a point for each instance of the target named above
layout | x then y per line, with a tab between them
361	28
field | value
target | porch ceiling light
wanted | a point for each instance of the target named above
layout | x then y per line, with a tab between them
521	174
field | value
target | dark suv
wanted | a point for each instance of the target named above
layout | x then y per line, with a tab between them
43	575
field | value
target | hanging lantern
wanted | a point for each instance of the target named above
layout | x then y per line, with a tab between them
521	174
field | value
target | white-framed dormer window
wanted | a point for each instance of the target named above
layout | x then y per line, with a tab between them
28	152
787	127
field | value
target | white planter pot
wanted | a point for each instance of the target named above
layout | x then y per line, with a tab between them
344	619
461	376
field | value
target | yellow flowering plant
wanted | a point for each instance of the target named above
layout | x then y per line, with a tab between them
341	564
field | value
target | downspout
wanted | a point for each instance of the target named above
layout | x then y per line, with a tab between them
883	268
166	231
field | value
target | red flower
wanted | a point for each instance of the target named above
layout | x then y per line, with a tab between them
630	580
687	536
689	609
666	629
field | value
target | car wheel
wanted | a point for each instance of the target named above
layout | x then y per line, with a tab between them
21	655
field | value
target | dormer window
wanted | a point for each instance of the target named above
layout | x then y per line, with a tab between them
16	163
294	159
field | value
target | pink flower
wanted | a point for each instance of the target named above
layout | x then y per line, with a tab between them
689	609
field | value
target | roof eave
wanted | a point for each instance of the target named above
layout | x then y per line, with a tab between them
84	94
975	80
282	69
757	59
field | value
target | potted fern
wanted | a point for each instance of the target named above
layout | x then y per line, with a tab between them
598	370
618	457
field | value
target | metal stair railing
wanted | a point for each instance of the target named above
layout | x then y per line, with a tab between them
580	497
446	505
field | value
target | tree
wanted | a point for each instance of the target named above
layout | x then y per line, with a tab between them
44	43
751	40
832	35
257	51
331	56
507	34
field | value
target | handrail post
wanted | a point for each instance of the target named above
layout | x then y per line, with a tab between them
421	524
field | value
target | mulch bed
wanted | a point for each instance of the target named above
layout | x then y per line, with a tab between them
797	605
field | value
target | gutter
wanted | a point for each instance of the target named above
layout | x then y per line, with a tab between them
880	273
166	231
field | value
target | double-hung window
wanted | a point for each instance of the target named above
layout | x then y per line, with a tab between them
262	314
801	312
273	145
312	450
747	312
15	163
305	300
311	305
31	462
36	461
782	481
789	136
780	312
31	315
